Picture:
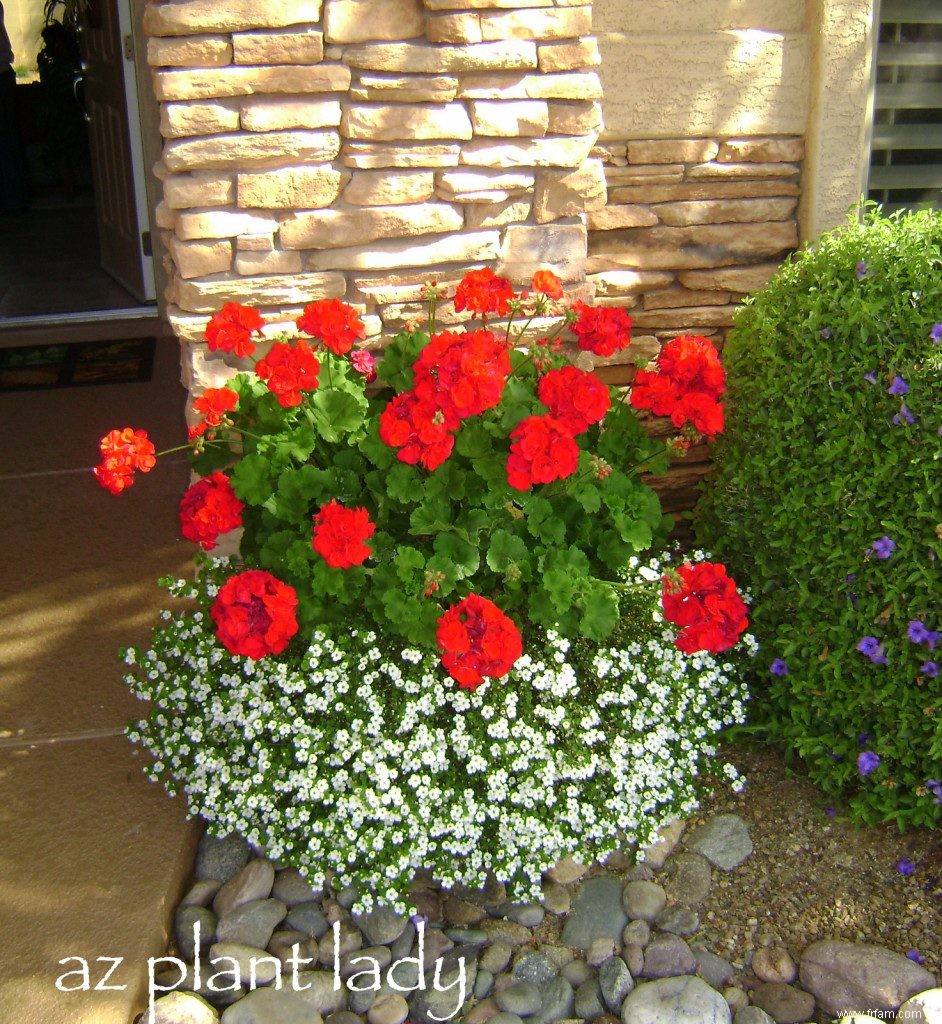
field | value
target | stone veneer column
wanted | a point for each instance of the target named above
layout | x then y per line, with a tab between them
358	148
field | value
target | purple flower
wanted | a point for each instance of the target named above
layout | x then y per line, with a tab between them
825	332
935	787
778	668
918	633
861	270
929	669
867	761
884	547
936	333
898	386
831	812
871	376
863	737
872	648
915	956
905	866
835	756
904	416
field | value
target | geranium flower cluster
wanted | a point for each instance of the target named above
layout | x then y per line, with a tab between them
704	602
477	640
357	757
686	385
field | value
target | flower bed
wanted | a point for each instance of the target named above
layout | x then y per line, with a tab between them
439	648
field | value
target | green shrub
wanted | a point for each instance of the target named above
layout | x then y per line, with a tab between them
819	462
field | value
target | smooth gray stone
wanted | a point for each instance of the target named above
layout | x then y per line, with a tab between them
316	988
268	1006
714	970
360	1002
667	956
530	915
184	931
483	984
576	972
381	926
636	933
558	999
496	957
675	1001
521	998
678	921
426	1006
752	1015
467	936
308	918
403	945
724	841
615	982
202	893
347	897
505	1018
355	962
221	859
265	965
292	888
251	924
691	879
588	1001
253	882
536	968
342	1017
598	913
643	901
183	1008
786	1004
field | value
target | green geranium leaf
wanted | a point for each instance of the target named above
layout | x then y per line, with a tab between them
337	413
473	441
395	367
404	484
430	518
563	574
543	523
252	480
465	556
409	563
600	612
506	549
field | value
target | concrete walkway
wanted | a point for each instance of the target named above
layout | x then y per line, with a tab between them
92	855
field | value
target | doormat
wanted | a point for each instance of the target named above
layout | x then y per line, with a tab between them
76	364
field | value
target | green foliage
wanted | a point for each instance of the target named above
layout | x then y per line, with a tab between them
811	472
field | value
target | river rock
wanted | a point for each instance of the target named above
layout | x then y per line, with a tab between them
675	1001
668	956
600	951
752	1015
202	893
265	966
588	1000
576	972
253	882
689	884
521	998
785	1004
270	1006
567	871
713	969
678	920
724	841
308	918
388	1009
558	999
184	930
291	887
535	968
381	926
667	839
597	913
926	1008
251	924
853	974
616	982
773	963
183	1008
221	859
643	901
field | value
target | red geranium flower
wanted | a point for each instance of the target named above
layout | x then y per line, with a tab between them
289	370
476	640
654	391
693	364
468	370
339	535
575	398
214	403
542	450
548	283
705	603
482	292
255	614
123	452
335	323
601	330
208	509
231	329
416	424
364	362
704	412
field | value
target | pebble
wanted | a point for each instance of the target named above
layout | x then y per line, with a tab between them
636	933
307	918
597	913
253	882
558	999
343	1017
634	958
675	1001
483	1011
221	859
752	1015
576	972
483	984
381	926
643	901
588	1000
735	998
667	839
615	982
926	1008
567	871
500	930
641	873
251	924
316	988
184	930
773	963
202	893
496	957
347	897
506	1018
535	968
402	947
530	915
183	1008
785	1004
690	881
433	1006
361	1001
462	914
248	959
556	898
468	936
678	921
388	1009
846	974
349	965
522	998
600	951
723	840
270	1006
713	969
668	956
346	940
291	887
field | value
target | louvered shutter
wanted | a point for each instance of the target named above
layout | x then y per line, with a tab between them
906	148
